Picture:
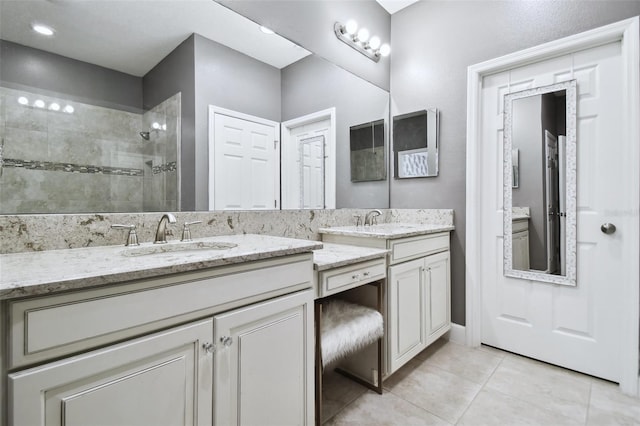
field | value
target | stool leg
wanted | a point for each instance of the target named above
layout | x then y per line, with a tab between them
318	315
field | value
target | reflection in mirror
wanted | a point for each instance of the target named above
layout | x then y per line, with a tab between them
106	116
539	183
415	144
368	157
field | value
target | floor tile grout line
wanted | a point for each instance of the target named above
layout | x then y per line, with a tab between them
421	408
482	387
586	420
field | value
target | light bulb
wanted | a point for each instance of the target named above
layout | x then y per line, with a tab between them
374	43
42	29
351	27
39	103
266	30
68	109
164	127
155	125
363	34
23	101
385	49
54	107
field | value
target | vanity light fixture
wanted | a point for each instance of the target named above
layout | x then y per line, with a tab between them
359	40
42	29
266	30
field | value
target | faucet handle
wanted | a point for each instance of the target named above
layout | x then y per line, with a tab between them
132	237
186	232
358	219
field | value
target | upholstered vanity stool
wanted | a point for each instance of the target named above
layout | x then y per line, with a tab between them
343	328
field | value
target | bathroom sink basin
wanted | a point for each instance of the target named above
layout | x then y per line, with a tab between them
177	247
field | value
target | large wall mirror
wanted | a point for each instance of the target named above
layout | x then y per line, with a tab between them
540	184
111	112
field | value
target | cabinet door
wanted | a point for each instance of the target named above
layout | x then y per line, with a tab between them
521	250
406	312
264	363
438	291
160	379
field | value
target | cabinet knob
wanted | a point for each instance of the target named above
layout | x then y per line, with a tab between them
608	228
209	347
355	276
226	341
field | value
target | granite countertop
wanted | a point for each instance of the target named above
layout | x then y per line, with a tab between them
45	272
336	255
387	230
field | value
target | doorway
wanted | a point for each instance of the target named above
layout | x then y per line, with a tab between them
308	181
592	327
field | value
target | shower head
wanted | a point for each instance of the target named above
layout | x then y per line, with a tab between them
145	135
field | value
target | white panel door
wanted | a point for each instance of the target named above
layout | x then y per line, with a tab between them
312	173
264	363
296	175
246	164
575	327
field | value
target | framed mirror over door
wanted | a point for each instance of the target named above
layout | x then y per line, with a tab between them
592	324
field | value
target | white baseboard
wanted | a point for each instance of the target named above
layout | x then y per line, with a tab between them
457	334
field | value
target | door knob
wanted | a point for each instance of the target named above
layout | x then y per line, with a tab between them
608	228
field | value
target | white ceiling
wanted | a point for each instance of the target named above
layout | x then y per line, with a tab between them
132	36
392	6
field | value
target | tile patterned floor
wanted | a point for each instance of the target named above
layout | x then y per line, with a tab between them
451	384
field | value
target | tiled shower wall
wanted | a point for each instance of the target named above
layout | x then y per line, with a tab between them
160	179
90	159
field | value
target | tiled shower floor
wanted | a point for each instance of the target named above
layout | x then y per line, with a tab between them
450	384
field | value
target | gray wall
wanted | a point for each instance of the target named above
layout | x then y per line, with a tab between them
176	73
313	84
433	43
310	23
83	82
228	79
527	136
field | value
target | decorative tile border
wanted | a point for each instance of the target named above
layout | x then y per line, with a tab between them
163	168
70	168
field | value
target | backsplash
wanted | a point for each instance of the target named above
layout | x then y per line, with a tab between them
20	233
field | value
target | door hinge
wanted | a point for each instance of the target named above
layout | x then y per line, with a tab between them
275	203
275	144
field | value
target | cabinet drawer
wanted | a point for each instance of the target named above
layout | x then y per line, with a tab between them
47	327
404	249
344	278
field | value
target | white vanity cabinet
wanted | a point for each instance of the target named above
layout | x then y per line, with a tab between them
418	293
262	363
419	296
227	346
520	241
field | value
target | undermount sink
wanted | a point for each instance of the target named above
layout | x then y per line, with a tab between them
177	247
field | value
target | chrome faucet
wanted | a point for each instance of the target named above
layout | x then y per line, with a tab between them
161	232
370	218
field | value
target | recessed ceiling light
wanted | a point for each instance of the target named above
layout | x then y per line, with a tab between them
68	109
42	29
23	101
54	107
266	30
39	103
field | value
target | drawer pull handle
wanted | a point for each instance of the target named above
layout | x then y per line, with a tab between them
366	274
226	341
355	276
209	347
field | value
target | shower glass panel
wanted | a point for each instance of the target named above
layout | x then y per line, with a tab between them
60	155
